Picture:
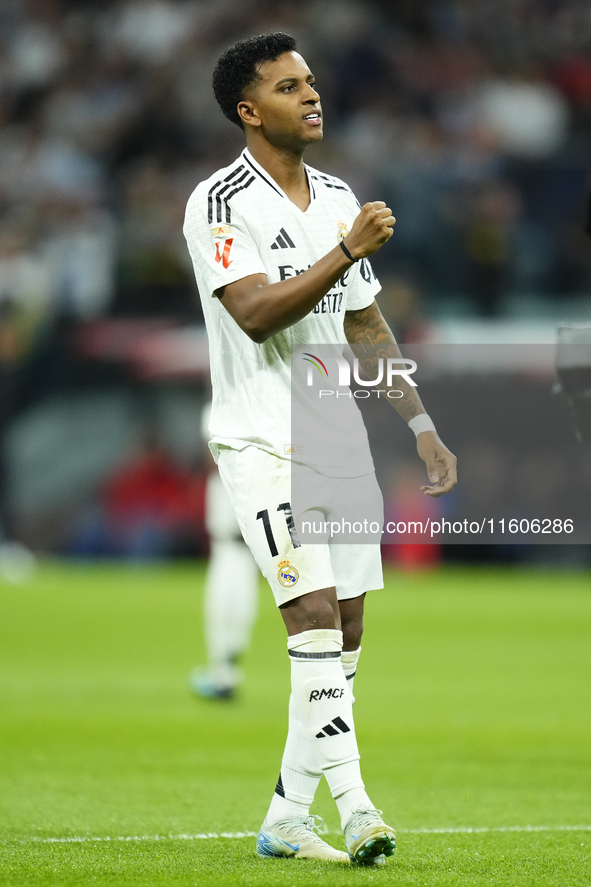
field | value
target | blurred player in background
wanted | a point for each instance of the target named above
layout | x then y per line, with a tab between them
573	365
231	594
280	255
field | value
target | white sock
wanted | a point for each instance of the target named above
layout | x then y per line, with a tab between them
230	608
355	797
352	799
299	775
322	704
349	660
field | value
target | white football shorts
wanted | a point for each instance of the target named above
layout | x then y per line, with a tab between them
259	485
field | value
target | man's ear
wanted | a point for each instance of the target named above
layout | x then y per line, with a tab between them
248	114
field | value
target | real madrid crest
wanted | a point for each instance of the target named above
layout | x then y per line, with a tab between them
287	574
342	231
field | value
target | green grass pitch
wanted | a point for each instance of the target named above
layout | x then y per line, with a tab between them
473	713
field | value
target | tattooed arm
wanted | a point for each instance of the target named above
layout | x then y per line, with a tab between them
371	338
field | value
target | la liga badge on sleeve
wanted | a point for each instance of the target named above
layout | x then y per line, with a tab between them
220	230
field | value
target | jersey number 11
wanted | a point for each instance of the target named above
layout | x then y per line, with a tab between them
285	507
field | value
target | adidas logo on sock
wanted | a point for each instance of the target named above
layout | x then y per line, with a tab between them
329	730
283	241
279	790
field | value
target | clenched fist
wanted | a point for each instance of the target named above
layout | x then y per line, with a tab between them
371	229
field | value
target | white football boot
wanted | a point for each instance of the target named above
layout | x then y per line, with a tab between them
369	839
298	838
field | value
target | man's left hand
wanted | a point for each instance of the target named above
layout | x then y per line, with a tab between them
440	462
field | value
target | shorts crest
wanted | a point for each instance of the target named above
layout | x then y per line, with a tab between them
287	575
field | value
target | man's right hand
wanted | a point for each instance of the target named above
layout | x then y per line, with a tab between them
371	229
262	309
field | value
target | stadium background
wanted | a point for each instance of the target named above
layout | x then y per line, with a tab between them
474	120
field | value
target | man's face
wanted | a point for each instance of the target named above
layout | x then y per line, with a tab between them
284	103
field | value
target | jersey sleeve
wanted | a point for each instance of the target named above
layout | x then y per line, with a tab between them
221	253
363	287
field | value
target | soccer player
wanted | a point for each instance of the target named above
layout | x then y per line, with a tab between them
231	597
280	255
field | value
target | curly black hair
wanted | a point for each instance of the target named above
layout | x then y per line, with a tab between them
238	67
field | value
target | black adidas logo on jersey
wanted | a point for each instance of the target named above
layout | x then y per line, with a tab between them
329	730
283	241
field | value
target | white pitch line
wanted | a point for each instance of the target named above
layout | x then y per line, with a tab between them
209	836
466	830
93	839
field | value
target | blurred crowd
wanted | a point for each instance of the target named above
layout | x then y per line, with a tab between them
472	118
148	506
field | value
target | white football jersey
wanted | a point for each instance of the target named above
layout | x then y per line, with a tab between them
239	222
